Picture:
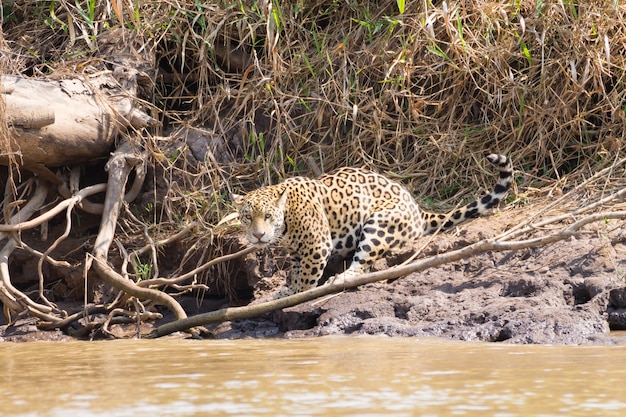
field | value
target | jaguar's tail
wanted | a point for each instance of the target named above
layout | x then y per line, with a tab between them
436	221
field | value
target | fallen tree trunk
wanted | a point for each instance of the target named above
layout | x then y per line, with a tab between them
66	122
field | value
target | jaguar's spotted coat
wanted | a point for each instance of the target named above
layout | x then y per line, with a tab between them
350	210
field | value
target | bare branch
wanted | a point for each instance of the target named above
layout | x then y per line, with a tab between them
178	235
181	278
77	198
527	226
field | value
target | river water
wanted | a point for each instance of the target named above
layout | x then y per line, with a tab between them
360	376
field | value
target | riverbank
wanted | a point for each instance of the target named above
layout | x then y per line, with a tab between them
247	96
569	292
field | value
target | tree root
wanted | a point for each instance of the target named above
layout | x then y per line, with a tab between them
13	300
119	167
16	303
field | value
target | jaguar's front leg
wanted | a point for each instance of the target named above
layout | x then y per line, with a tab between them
306	271
310	250
293	278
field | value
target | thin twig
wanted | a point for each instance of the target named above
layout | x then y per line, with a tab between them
181	278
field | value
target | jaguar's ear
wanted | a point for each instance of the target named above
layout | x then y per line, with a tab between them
282	199
236	199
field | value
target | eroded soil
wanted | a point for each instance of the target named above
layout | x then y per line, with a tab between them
569	292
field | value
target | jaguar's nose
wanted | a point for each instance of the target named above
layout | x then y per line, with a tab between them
258	235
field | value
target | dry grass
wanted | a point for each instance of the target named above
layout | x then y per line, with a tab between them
298	87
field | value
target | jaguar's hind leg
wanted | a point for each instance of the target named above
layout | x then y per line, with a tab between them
382	232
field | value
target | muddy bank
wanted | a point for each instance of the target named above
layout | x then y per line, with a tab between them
570	292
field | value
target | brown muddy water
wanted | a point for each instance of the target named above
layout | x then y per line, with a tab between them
364	376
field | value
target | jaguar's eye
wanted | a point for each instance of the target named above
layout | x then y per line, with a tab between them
247	217
268	217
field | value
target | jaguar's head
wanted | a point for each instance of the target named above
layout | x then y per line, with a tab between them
262	214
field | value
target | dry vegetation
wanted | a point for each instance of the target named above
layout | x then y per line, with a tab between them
250	93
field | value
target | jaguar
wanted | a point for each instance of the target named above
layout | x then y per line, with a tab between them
351	211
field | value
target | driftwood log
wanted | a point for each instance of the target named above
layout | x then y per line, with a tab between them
67	122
